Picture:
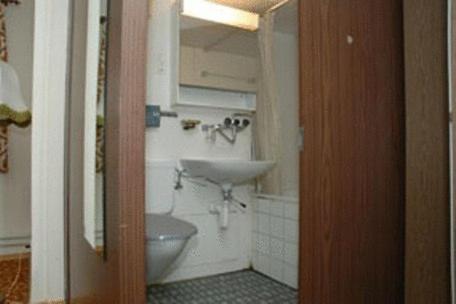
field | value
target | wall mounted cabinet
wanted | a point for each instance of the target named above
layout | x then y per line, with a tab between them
218	70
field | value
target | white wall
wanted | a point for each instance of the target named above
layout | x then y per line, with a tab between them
41	67
44	80
163	41
212	251
287	76
15	186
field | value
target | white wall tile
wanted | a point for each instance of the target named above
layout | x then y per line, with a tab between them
276	269
291	231
277	248
291	254
255	259
263	205
254	205
292	211
275	242
276	208
277	225
262	244
264	263
214	251
290	275
255	222
160	192
264	223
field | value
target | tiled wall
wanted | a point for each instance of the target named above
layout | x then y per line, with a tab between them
212	250
275	238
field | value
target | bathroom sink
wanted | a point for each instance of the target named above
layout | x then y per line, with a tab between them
226	172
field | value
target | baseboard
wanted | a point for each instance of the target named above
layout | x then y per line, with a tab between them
14	245
82	300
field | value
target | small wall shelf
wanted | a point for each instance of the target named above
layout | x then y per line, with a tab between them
213	98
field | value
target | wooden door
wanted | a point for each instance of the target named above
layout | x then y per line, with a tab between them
352	164
427	274
120	277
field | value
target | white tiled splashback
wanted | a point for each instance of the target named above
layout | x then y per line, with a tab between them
276	238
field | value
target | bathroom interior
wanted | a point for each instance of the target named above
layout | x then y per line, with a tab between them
222	146
224	156
226	217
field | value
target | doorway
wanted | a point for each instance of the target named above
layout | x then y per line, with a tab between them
352	170
352	163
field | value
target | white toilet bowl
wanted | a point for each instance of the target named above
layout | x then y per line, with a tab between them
166	238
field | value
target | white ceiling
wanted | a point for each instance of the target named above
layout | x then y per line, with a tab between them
217	37
256	6
203	34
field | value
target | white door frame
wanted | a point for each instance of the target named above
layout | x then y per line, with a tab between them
51	36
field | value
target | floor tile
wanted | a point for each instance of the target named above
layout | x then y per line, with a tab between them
243	287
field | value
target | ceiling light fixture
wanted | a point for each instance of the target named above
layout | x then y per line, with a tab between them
209	11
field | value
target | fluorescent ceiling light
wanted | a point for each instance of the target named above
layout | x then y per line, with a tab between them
203	9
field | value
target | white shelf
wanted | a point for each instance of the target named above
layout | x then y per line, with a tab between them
213	98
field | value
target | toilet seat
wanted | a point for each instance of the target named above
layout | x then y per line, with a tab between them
164	227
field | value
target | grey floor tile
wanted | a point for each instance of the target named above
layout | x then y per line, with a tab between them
243	287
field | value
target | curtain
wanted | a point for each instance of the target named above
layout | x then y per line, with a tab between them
3	129
101	95
268	125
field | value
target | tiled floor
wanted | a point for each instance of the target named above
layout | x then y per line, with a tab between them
242	287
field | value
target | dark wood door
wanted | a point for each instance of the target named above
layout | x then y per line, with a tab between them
120	277
427	267
352	164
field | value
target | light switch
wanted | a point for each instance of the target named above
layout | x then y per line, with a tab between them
153	116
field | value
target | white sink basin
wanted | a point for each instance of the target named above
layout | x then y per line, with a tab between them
226	171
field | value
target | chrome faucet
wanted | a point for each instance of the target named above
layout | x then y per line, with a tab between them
233	125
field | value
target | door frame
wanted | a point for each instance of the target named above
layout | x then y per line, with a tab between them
51	26
427	262
125	147
120	277
125	150
126	140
